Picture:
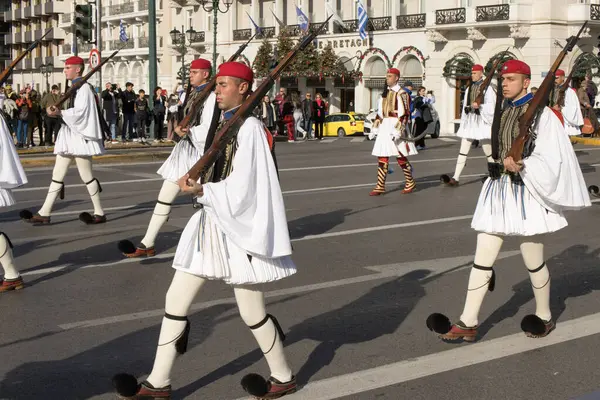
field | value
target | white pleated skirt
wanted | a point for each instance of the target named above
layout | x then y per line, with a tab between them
204	250
572	130
6	198
474	128
506	208
386	146
69	143
182	159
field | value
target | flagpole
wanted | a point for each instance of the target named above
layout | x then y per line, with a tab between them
99	39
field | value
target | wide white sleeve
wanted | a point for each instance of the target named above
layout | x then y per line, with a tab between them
199	132
463	114
551	173
380	107
83	118
572	111
12	174
248	204
486	110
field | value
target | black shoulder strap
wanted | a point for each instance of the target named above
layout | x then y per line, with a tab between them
103	124
212	130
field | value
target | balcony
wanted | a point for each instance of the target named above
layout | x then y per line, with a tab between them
584	12
492	13
412	21
450	16
37	62
243	34
54	34
131	11
8	16
55	7
198	37
267	32
81	48
28	37
27	12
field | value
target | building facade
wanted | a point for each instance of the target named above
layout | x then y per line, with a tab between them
422	38
4	30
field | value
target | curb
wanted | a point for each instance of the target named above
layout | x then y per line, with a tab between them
132	146
103	159
586	141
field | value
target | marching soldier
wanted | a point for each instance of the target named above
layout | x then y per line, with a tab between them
80	137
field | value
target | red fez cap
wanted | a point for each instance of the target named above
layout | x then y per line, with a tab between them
74	61
516	67
560	72
477	67
200	63
393	71
236	70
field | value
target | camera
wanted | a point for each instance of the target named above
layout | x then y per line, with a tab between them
114	87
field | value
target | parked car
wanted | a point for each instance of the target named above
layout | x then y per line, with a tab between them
433	128
343	124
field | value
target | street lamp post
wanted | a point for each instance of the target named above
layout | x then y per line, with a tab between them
215	7
179	40
46	70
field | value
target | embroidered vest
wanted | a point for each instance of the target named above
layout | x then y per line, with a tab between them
509	128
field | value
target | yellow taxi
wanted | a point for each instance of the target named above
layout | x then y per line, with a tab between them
343	124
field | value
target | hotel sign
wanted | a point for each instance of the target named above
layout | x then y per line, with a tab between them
344	43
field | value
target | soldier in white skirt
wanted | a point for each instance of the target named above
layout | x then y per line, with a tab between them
393	116
80	137
184	155
240	236
11	176
475	124
568	105
526	199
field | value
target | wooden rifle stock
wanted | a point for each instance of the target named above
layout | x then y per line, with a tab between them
83	80
206	91
540	100
7	71
226	133
488	79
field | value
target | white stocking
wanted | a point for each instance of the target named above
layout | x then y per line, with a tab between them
167	195
84	166
251	304
465	147
533	256
488	247
487	150
58	176
181	294
6	258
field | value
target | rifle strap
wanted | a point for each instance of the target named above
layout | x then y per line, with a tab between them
212	130
496	122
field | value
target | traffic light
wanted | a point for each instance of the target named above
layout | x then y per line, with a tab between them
83	22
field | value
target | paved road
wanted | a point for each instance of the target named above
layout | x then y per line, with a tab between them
370	271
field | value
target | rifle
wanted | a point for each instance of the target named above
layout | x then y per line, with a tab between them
7	71
84	79
488	80
226	133
523	145
206	91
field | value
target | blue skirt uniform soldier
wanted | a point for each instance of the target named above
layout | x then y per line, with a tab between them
80	137
525	199
11	176
475	124
184	155
240	237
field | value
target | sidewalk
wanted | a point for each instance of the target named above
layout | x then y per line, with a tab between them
588	141
108	146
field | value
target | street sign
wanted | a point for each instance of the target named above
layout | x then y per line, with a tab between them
94	58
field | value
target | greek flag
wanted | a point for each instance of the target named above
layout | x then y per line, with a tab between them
258	28
302	19
122	34
362	20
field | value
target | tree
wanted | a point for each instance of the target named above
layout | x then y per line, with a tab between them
307	62
331	65
284	44
264	59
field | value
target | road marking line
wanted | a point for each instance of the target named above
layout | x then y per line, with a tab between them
447	139
328	140
437	266
358	140
444	361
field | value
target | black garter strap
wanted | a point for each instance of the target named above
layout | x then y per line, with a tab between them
163	203
99	186
9	243
461	154
491	282
62	189
175	317
538	269
277	328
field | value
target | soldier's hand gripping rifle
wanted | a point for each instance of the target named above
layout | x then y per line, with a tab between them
75	86
207	90
523	145
226	133
8	70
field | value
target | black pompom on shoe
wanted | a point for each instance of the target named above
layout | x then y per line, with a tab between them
126	247
445	179
535	327
125	384
255	385
594	190
439	323
25	214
